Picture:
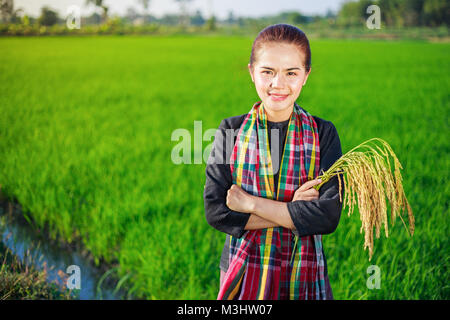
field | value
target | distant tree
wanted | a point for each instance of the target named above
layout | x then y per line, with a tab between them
297	18
316	18
354	13
436	12
8	14
184	16
197	19
48	17
406	13
398	13
131	14
211	23
349	14
145	4
99	3
393	12
330	14
413	13
94	18
231	19
26	20
170	19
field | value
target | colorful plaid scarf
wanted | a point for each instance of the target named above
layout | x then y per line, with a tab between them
260	261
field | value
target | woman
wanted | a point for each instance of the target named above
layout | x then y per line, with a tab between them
262	199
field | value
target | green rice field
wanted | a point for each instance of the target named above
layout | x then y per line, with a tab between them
85	148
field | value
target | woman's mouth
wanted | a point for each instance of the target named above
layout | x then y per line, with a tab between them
277	97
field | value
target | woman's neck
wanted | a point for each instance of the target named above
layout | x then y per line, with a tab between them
279	116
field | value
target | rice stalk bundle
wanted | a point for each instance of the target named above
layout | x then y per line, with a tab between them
368	180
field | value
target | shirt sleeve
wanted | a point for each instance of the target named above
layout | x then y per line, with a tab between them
321	216
218	181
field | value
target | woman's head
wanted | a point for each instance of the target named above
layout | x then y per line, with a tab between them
279	66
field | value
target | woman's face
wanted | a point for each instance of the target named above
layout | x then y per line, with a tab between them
279	74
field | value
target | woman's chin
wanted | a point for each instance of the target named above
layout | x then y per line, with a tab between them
277	106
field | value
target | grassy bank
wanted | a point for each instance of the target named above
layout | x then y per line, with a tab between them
20	280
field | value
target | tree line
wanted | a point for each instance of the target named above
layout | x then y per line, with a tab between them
394	13
398	13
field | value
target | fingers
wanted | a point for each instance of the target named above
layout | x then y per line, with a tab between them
234	189
308	195
309	184
306	191
311	193
305	199
233	192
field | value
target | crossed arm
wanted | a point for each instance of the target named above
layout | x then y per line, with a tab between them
267	213
313	215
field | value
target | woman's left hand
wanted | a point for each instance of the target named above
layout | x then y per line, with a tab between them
239	200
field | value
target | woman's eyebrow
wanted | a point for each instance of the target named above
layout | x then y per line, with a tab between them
293	68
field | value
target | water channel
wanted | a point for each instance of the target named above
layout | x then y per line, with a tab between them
25	242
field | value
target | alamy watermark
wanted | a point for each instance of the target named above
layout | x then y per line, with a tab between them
74	279
374	20
374	280
189	149
73	20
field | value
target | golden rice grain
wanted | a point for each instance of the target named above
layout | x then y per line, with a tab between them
368	180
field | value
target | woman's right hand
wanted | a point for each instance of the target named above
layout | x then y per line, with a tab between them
306	191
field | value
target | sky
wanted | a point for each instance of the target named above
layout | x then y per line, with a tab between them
221	8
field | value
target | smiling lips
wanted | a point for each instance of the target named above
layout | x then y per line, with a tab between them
278	97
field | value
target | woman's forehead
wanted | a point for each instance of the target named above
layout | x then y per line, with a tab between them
280	56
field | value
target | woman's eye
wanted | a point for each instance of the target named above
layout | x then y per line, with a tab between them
291	73
267	72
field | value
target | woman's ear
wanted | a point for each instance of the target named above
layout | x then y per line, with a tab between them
250	69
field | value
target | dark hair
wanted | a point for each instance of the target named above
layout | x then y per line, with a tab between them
284	33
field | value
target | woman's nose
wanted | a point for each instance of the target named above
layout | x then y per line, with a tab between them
278	81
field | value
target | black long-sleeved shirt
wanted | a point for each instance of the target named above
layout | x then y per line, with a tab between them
319	216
